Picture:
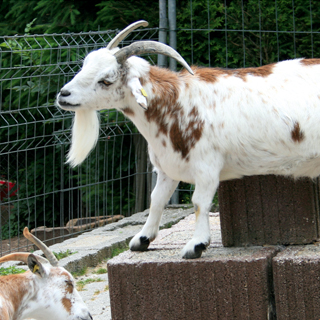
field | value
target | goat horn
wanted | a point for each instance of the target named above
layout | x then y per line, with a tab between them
141	47
20	256
47	252
121	35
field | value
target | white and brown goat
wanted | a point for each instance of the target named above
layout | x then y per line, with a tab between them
203	127
45	292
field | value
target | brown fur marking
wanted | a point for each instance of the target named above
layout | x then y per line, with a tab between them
128	111
8	284
310	62
296	134
67	304
212	74
166	88
183	140
165	107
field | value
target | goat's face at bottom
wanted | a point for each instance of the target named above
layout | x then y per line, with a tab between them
45	292
57	292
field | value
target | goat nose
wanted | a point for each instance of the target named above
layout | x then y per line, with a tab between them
65	93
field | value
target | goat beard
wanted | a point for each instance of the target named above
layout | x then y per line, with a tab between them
85	133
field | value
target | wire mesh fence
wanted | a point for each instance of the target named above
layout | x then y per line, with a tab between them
38	189
247	33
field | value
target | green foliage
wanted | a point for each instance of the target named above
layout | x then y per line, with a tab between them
81	283
63	254
115	251
79	273
11	270
259	43
63	16
29	82
28	95
101	271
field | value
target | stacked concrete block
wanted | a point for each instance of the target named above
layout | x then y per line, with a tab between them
270	210
296	276
226	283
268	269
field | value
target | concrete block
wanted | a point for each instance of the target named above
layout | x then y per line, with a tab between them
297	283
261	210
225	283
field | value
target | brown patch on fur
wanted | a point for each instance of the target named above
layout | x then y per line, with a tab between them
164	143
296	134
310	62
128	111
67	304
183	140
142	81
165	82
7	285
165	86
263	71
168	113
212	74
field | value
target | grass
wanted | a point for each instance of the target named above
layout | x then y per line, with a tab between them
80	272
101	271
11	270
63	254
81	284
116	251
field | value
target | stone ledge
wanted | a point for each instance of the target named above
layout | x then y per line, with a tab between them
226	283
297	282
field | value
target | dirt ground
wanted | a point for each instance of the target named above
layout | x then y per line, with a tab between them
15	244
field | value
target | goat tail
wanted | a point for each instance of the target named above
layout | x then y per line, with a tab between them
85	133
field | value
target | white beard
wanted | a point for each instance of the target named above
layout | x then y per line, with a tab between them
85	133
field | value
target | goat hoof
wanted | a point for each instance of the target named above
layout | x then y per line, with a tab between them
195	253
142	246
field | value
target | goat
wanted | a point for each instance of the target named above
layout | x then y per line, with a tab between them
204	127
45	292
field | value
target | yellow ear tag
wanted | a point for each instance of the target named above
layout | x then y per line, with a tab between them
35	268
143	92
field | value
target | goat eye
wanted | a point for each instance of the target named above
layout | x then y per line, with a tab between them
105	83
69	283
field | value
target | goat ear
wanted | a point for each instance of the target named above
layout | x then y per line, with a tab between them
35	265
138	92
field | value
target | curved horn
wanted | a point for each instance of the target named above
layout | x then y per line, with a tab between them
141	47
121	35
47	252
20	256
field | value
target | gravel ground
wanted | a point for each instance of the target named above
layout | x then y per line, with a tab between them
94	289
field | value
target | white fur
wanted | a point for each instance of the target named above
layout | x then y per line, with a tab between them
41	297
246	125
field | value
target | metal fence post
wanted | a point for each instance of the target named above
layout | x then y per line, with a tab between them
172	15
163	24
